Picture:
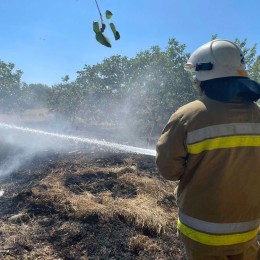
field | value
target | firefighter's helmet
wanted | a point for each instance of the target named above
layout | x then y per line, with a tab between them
217	59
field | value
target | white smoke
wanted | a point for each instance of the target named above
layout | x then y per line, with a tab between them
31	141
13	163
19	147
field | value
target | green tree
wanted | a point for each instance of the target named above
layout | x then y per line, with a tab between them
141	92
10	87
103	86
249	54
255	70
159	86
35	95
65	99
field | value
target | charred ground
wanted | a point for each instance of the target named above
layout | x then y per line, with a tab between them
80	205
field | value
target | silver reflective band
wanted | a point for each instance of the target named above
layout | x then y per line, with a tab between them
223	130
218	228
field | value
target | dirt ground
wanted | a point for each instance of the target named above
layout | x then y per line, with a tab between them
80	205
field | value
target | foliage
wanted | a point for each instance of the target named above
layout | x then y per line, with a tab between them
140	92
160	86
16	96
249	54
10	87
34	95
66	99
103	87
99	30
255	70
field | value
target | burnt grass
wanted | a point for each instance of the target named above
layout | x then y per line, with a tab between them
80	205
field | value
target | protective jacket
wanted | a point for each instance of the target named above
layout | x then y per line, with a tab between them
213	149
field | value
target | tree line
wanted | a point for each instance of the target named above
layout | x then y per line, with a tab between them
138	93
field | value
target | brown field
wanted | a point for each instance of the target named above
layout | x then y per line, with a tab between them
88	206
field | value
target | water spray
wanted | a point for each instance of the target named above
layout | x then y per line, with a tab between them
103	143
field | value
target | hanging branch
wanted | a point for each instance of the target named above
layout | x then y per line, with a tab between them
100	36
99	12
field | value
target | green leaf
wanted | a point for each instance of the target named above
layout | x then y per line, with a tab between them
113	28
108	14
115	32
96	27
101	38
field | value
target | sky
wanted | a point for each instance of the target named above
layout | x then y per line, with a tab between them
48	39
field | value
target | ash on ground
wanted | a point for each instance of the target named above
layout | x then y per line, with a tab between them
87	205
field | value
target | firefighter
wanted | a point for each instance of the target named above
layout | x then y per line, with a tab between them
212	147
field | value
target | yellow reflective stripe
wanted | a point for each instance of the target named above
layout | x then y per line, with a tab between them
224	142
216	240
218	228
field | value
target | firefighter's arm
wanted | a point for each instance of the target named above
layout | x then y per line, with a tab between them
171	150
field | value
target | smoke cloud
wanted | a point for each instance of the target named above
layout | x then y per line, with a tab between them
112	126
24	143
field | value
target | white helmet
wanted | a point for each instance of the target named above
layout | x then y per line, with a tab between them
217	59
